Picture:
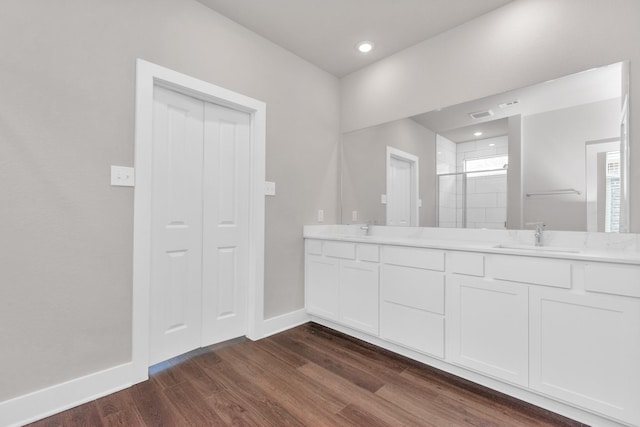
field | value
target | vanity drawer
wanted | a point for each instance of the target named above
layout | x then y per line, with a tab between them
369	253
534	270
414	257
416	329
314	247
468	263
616	279
340	250
413	287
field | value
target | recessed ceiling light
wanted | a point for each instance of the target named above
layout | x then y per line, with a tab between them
365	47
492	145
477	133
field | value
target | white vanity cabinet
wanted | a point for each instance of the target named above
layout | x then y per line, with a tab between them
585	347
412	298
487	326
559	332
322	282
359	295
341	283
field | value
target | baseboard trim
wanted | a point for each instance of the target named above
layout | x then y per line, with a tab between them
283	322
51	400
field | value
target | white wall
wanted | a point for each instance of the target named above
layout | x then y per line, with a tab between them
525	42
67	72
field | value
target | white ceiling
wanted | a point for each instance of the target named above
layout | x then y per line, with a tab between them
325	32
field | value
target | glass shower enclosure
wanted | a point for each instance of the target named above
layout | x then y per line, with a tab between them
472	199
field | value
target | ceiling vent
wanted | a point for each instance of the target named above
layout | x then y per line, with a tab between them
481	114
509	104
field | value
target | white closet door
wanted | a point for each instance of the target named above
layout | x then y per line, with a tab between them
399	195
176	241
226	223
402	188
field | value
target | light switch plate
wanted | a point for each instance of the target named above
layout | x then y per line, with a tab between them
269	188
383	199
122	176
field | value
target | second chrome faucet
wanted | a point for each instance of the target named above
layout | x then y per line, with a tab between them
539	227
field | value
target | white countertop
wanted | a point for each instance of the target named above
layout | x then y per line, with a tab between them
600	247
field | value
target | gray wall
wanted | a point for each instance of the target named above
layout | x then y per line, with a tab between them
67	72
364	169
553	147
524	42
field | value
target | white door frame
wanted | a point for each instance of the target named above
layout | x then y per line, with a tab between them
592	149
415	183
148	75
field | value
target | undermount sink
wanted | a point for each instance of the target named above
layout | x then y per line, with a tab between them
538	248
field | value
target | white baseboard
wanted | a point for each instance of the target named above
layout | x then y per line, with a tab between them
51	400
283	322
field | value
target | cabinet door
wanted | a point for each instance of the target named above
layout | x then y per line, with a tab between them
487	326
359	295
585	349
322	276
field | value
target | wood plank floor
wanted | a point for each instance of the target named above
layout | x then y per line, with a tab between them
307	376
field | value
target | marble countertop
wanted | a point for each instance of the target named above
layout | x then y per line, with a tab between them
600	247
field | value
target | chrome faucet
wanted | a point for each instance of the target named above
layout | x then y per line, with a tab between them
367	228
539	232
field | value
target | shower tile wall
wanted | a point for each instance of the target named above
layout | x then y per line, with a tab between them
486	195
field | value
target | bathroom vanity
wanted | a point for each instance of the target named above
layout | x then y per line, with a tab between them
557	326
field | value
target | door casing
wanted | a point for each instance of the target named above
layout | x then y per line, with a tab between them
148	75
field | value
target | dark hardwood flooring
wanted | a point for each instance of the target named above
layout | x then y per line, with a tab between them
307	376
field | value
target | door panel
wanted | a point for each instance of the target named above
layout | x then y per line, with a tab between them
322	286
402	188
227	158
400	195
359	301
226	177
175	301
487	326
176	225
226	301
585	350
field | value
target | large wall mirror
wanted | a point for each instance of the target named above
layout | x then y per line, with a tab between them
555	152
